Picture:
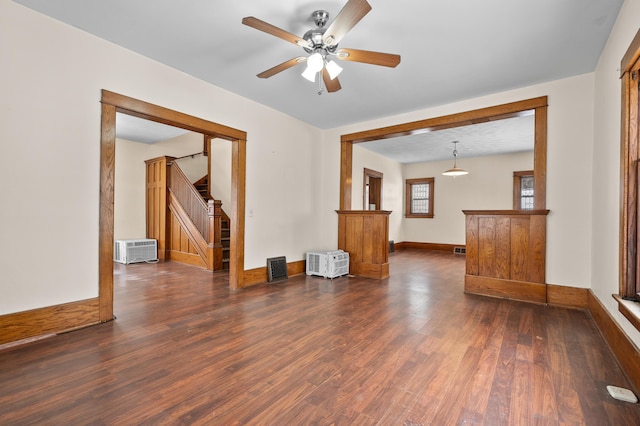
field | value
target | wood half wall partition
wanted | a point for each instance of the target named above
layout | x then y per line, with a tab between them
537	290
506	253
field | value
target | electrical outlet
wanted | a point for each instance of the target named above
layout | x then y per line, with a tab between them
622	394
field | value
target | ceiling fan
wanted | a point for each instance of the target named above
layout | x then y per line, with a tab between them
322	45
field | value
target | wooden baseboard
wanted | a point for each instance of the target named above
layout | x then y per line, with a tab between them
369	270
426	246
625	351
506	289
260	275
49	320
568	297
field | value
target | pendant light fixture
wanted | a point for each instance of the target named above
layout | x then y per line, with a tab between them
455	170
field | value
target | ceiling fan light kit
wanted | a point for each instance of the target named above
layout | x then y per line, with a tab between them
322	43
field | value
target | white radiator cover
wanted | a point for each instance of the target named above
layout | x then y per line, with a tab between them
328	264
132	251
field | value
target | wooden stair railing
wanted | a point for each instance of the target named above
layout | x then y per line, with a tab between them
202	186
200	219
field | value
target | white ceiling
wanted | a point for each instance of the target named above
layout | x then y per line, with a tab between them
451	49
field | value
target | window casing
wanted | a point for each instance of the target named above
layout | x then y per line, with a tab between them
419	197
630	184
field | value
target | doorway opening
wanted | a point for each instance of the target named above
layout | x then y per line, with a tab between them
113	103
372	190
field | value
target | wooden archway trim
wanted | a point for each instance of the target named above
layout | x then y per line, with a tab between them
498	112
112	103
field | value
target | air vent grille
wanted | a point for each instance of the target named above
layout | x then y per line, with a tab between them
459	250
277	268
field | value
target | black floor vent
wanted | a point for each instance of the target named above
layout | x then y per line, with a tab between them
277	268
459	250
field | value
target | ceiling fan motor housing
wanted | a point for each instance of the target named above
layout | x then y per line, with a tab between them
314	36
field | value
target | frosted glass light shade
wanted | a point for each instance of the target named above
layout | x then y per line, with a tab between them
455	171
309	74
315	62
333	69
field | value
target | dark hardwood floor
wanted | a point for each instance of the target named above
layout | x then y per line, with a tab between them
410	350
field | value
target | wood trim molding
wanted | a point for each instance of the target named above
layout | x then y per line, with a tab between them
426	246
482	115
498	112
106	214
625	351
567	297
506	289
630	310
49	320
260	275
112	102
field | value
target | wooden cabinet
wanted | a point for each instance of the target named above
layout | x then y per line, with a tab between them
506	252
365	236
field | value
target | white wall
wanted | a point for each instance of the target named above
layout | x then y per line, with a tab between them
221	172
606	163
569	160
130	177
51	79
469	192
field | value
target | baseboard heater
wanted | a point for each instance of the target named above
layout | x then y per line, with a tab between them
133	251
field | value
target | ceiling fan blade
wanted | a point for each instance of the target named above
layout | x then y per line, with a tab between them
347	18
274	31
281	67
374	58
331	85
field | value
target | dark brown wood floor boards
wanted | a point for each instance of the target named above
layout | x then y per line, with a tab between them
409	350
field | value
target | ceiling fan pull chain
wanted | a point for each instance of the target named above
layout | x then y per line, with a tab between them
320	87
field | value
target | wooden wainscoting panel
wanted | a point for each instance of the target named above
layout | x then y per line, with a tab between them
537	248
572	297
503	248
188	258
519	248
623	348
507	289
49	320
472	244
487	246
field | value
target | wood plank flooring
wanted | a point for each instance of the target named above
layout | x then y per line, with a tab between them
409	350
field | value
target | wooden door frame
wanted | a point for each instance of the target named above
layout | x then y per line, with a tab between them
498	112
112	103
368	173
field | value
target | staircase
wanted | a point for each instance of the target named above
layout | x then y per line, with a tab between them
202	185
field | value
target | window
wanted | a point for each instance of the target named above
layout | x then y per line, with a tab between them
419	197
630	185
523	190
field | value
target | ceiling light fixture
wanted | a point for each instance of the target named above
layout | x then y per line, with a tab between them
455	170
316	62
